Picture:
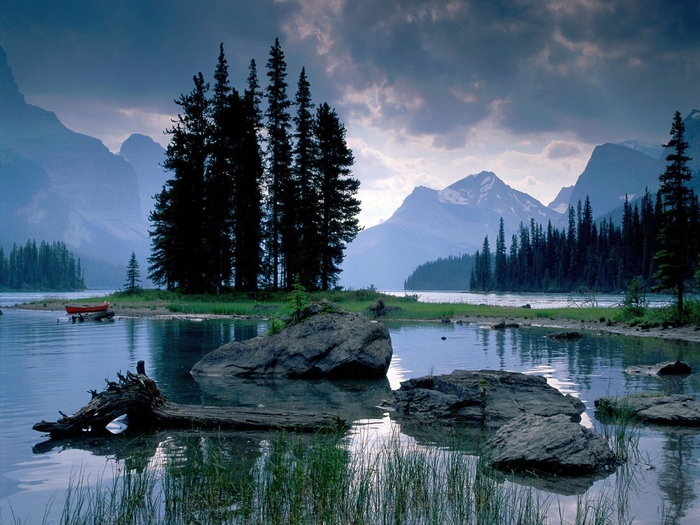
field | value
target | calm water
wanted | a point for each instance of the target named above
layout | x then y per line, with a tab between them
47	366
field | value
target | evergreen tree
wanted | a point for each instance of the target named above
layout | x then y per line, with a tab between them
500	268
280	220
678	253
177	235
306	258
484	281
249	177
132	275
219	184
338	205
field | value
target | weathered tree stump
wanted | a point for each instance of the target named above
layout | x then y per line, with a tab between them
146	408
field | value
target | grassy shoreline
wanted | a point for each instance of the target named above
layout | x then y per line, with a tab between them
268	303
655	322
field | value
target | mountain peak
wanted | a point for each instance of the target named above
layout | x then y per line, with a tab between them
9	92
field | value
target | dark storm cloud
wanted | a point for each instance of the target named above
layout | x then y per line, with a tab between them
593	67
132	49
601	69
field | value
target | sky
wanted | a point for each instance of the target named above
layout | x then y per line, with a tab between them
430	91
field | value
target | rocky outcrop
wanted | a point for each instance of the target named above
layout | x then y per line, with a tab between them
675	409
661	369
565	336
330	345
485	398
550	444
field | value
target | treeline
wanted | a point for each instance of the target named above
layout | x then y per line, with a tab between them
449	273
603	257
256	198
585	255
46	267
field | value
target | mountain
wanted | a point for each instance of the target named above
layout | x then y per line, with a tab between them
437	223
611	173
648	148
560	204
146	156
64	186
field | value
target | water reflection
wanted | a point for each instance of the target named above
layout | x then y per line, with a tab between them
48	367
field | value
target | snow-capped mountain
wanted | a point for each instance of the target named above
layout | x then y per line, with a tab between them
436	223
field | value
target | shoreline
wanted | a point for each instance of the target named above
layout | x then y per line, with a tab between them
689	334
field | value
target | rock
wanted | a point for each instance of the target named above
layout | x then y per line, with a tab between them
675	409
332	345
528	306
379	308
485	398
565	336
661	369
552	444
503	324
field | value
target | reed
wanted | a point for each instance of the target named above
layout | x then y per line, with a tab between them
322	479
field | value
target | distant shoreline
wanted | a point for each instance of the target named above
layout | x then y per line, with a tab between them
685	333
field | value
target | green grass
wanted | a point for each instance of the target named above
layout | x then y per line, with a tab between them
267	304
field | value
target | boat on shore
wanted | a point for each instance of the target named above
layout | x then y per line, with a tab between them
87	308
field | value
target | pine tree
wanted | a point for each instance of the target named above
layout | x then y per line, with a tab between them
249	177
339	207
500	268
177	220
306	261
133	275
280	203
219	184
484	282
678	253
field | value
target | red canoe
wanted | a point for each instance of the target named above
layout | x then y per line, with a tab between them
86	308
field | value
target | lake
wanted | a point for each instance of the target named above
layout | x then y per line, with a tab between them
48	364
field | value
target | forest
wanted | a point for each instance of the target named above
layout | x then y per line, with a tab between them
657	245
257	199
46	267
586	256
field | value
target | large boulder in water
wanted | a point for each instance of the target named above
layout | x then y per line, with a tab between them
673	409
665	368
328	345
550	444
488	398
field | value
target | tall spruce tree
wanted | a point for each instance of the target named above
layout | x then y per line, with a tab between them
500	266
280	220
249	178
177	220
219	185
307	262
679	252
339	207
133	275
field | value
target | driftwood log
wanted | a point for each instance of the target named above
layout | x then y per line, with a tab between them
146	408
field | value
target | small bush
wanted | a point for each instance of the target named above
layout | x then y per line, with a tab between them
635	302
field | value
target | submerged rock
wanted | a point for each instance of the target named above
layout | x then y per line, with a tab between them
661	369
565	336
675	409
550	444
486	398
332	345
503	325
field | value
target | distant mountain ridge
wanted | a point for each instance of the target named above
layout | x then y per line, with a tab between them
436	223
59	185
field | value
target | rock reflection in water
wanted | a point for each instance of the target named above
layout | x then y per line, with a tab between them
352	400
